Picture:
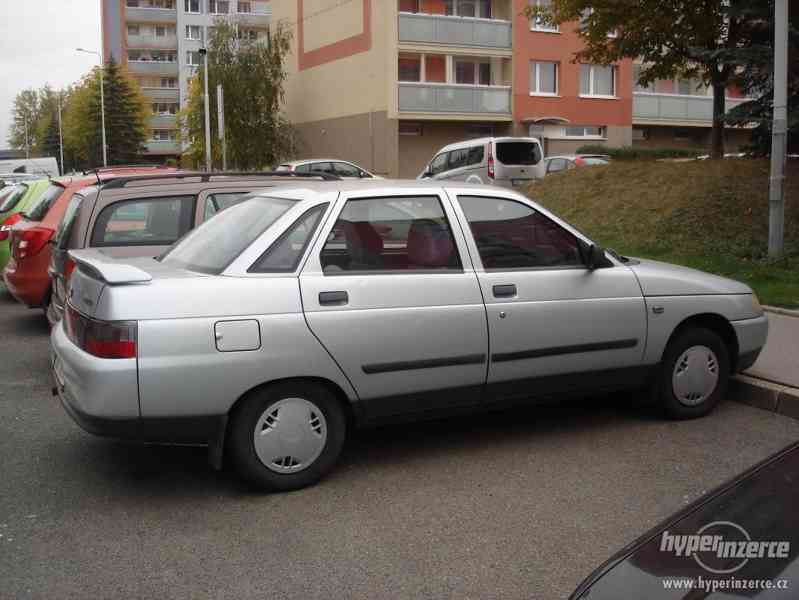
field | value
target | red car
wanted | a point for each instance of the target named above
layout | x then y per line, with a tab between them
26	275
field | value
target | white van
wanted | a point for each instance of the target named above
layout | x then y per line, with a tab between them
505	161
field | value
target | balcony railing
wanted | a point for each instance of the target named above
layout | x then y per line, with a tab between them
666	108
153	67
161	93
454	98
162	147
167	42
454	31
151	15
163	121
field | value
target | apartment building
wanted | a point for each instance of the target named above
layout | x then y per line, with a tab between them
159	42
386	83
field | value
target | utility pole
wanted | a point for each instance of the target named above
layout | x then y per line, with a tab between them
27	143
60	137
204	52
102	100
220	107
779	133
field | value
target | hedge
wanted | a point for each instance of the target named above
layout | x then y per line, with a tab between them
638	153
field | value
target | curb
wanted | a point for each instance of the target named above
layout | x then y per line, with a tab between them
781	311
780	399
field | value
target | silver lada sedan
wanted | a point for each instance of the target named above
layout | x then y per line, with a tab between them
285	320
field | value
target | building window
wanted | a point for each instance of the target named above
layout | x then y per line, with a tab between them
160	31
133	30
584	132
468	8
637	86
598	81
192	6
132	4
193	58
409	6
169	82
218	7
247	34
584	22
539	24
410	68
471	72
639	134
164	135
194	32
543	78
164	108
244	7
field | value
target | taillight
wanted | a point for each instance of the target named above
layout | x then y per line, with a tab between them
69	266
103	339
490	162
29	242
579	161
5	228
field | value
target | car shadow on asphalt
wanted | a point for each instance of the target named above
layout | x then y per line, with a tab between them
29	324
180	471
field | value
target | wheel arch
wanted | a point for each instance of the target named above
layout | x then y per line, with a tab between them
715	323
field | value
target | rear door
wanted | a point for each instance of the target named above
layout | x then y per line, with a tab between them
141	226
59	269
517	161
390	292
554	325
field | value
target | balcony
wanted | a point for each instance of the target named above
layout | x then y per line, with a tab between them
418	28
151	15
667	109
163	121
455	99
153	67
163	94
162	148
167	42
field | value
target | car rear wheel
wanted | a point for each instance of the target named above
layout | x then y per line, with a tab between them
286	436
694	374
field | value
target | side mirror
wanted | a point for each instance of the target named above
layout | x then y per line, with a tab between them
427	175
594	257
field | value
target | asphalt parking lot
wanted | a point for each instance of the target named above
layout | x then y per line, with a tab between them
512	505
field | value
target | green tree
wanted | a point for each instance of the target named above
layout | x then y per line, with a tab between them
252	76
673	38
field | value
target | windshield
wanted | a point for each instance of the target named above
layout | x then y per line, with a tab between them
518	153
216	243
38	211
9	199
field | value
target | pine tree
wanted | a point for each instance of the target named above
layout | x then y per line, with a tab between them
125	116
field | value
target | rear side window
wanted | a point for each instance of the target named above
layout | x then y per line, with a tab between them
146	222
284	255
38	211
12	197
391	234
518	153
67	222
303	168
215	203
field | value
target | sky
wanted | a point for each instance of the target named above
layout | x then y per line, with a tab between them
37	46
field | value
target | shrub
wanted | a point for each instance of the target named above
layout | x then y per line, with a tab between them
638	153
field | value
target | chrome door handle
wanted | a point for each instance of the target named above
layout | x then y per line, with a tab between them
333	298
505	291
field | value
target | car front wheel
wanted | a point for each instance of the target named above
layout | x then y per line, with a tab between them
694	374
286	436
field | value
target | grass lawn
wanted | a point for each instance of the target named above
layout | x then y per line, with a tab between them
711	215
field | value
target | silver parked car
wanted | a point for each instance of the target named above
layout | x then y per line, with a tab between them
329	166
273	328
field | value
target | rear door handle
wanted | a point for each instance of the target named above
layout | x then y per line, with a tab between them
505	291
333	298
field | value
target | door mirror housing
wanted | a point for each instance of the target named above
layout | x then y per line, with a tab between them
594	256
427	174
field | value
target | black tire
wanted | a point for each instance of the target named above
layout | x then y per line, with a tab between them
669	403
241	429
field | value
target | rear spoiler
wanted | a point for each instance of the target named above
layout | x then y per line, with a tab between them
108	269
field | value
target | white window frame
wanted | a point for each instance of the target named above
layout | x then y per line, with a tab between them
591	94
136	28
537	25
603	132
171	135
535	78
478	10
238	7
187	6
216	7
475	62
189	29
189	55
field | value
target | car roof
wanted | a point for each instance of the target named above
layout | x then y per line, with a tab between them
485	140
295	163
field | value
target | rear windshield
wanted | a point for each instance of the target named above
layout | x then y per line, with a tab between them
38	211
65	228
9	199
216	243
518	153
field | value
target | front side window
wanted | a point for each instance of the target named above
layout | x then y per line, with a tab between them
459	158
544	78
322	167
216	243
216	203
439	163
391	234
39	210
284	255
147	222
599	81
512	235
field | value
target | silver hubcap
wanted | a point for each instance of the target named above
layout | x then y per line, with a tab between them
696	374
290	435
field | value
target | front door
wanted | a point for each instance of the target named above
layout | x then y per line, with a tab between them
390	292
554	325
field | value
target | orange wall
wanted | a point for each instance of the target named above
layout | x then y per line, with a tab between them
560	47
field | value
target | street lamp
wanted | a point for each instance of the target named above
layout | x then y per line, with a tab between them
204	53
102	100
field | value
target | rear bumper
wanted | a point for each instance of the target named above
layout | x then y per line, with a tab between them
26	284
752	335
